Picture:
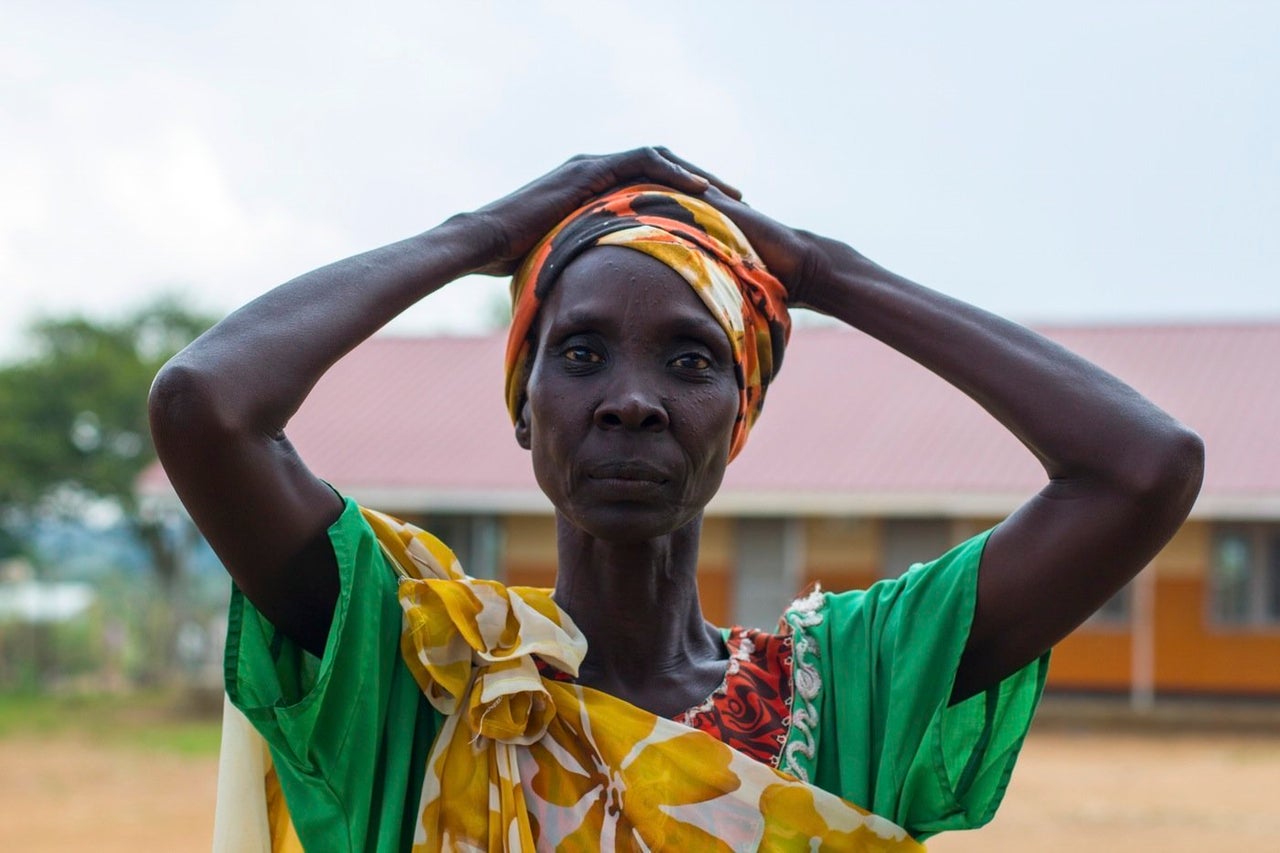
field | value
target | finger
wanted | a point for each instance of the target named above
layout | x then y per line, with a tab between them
755	225
721	199
651	164
726	188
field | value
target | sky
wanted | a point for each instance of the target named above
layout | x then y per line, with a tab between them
1117	162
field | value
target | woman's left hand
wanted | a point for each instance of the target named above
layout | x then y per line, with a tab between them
518	220
794	256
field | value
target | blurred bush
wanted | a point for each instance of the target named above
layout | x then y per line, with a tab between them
73	441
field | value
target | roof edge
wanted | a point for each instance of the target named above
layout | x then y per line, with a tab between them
758	503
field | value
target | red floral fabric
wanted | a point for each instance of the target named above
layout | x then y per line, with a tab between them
751	710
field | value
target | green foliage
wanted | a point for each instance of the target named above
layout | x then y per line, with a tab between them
74	436
153	721
10	545
34	653
194	738
74	425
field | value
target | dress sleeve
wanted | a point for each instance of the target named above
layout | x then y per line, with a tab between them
349	732
878	666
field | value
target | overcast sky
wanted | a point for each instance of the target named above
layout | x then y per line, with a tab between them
1117	162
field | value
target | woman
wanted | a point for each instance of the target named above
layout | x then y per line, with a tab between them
632	390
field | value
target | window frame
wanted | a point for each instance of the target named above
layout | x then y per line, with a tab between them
1261	585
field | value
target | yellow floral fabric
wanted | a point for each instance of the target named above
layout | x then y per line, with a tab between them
525	763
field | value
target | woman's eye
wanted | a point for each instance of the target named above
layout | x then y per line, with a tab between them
692	361
583	354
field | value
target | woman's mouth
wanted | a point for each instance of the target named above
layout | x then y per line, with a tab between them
628	472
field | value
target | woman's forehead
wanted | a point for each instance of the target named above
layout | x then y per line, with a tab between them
612	284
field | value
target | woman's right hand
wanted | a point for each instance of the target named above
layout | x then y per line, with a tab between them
796	257
517	221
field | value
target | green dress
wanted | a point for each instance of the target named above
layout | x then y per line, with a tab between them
350	732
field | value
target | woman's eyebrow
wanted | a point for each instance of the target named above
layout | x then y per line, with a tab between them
701	326
693	322
581	317
694	325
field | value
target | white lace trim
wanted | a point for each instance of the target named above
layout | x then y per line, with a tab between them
746	649
805	613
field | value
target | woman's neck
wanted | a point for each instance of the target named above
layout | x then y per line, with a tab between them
637	604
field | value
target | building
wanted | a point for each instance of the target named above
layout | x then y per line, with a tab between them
861	464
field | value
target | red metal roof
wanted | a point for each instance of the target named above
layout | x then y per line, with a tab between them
850	425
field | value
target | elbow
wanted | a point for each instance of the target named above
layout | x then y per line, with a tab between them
1168	482
1190	468
182	404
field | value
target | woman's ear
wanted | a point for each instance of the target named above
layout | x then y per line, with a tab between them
522	425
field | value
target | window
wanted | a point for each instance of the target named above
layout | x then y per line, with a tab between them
767	560
474	539
908	541
1245	575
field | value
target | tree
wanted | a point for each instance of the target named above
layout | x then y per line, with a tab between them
73	421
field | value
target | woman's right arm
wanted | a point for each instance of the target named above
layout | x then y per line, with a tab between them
219	408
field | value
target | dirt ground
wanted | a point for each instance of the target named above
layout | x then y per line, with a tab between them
1169	792
1072	791
69	793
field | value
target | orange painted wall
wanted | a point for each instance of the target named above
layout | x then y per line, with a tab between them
716	592
1191	654
530	574
1091	659
715	570
529	550
841	553
1194	656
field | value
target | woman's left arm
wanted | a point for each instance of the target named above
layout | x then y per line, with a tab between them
1122	473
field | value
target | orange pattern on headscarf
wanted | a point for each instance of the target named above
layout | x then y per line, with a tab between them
695	240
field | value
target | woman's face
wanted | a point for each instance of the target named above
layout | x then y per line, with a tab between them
631	398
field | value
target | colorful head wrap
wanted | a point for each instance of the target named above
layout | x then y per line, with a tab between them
692	238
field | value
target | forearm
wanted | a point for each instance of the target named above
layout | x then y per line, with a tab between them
1080	421
260	362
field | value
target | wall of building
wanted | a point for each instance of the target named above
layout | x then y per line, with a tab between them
1195	654
1192	655
529	550
842	553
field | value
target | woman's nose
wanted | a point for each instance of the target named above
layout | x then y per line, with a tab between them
632	408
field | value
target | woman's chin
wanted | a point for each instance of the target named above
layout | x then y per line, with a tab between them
627	523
